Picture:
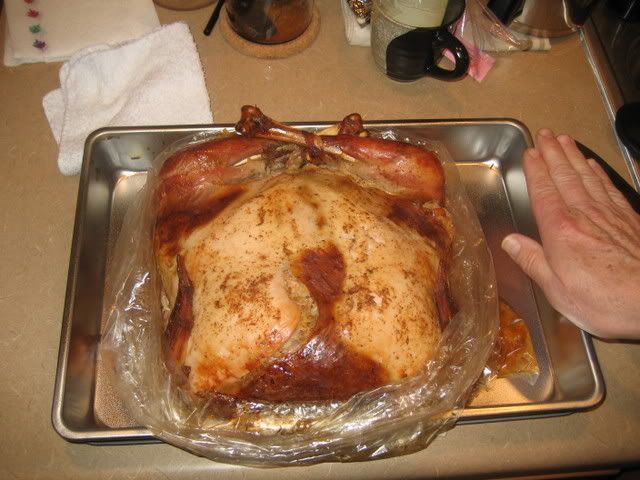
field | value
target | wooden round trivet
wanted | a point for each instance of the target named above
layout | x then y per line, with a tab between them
280	50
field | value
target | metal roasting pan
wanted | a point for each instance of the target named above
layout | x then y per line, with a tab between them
488	152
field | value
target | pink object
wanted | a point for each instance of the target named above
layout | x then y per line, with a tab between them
480	63
33	13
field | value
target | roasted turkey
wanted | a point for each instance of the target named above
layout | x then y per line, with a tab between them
297	266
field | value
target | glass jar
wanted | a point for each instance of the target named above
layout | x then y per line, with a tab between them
270	21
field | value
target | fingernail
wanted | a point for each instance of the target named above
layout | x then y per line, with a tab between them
566	139
545	132
511	245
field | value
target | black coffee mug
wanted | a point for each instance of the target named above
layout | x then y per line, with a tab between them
415	53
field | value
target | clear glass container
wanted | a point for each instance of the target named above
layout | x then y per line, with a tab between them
270	21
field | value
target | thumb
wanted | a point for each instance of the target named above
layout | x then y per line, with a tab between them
529	256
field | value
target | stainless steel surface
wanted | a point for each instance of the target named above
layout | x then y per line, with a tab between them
613	93
544	18
86	407
620	42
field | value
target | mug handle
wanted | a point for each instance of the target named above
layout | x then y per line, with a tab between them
445	40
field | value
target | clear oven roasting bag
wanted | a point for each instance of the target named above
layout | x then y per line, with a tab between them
394	419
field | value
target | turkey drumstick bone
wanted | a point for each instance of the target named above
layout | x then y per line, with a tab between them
417	170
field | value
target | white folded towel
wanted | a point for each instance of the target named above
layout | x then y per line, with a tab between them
53	30
356	33
154	80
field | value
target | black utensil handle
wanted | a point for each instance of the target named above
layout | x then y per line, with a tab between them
214	18
445	40
632	196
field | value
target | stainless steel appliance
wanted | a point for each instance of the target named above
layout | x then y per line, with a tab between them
612	39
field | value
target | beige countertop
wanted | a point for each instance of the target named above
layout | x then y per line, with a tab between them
554	89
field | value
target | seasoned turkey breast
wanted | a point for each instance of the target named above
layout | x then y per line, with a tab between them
308	281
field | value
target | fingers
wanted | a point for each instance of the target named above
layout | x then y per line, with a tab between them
596	184
591	181
563	174
529	256
614	194
547	203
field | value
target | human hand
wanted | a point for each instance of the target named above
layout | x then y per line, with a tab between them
589	262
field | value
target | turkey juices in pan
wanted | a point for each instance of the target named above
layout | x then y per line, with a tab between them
298	266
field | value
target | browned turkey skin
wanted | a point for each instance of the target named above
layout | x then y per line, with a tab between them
417	171
298	266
